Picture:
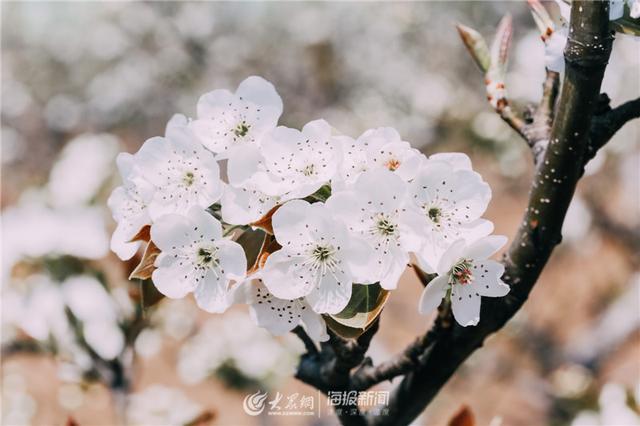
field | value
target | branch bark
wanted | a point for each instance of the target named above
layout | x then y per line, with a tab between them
586	55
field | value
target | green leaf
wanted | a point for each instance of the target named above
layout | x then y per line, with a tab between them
627	25
365	305
149	294
251	241
476	46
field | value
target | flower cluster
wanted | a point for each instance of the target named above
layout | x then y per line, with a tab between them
340	211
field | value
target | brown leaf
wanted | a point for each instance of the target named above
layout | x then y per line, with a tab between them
144	234
269	245
264	222
145	268
463	417
203	419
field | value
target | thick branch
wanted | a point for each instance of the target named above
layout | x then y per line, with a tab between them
586	55
605	125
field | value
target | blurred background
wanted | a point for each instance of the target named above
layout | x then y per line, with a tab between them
84	81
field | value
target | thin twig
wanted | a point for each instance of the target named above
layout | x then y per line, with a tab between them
309	345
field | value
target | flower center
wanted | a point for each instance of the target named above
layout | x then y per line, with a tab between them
322	258
385	226
434	214
241	130
392	164
461	273
207	257
309	170
188	178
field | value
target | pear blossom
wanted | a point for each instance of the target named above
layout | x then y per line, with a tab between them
451	203
377	148
290	163
195	258
183	173
375	207
228	120
319	258
280	316
466	271
246	204
129	207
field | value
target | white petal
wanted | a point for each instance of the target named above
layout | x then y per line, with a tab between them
485	247
450	257
204	225
314	324
477	229
359	256
120	244
332	293
171	231
486	279
211	103
241	206
243	163
262	93
457	160
211	293
394	265
233	260
318	130
283	280
432	295
465	304
279	316
382	189
171	279
291	224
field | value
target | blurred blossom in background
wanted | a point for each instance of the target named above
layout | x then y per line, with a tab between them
84	81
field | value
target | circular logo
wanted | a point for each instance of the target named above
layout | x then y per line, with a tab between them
253	404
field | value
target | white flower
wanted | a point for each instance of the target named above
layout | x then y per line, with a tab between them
451	203
377	148
290	163
319	258
90	303
280	316
129	207
227	120
161	405
183	173
375	208
82	168
195	258
467	271
244	205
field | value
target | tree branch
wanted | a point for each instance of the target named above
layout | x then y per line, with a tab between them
537	132
605	125
586	56
368	375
